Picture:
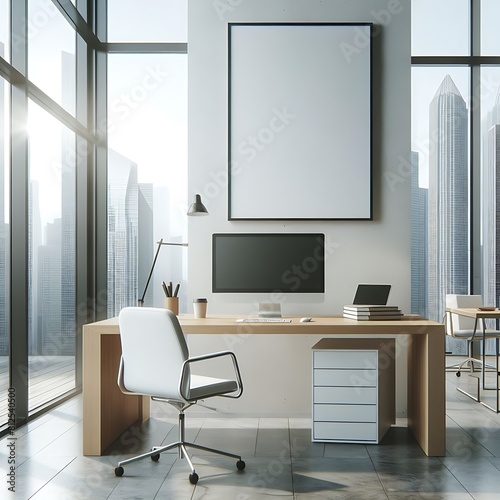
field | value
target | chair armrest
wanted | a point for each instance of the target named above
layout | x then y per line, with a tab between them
205	357
448	323
477	332
121	385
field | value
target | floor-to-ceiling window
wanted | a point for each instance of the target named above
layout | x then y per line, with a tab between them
48	142
52	211
57	214
147	155
455	151
52	208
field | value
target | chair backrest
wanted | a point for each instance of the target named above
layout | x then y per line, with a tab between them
153	350
461	323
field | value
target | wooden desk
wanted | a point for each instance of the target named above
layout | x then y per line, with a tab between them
107	412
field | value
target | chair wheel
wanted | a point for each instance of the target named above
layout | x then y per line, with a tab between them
459	373
193	478
155	458
240	465
119	471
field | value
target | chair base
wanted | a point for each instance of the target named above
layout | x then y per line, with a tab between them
157	450
181	445
469	361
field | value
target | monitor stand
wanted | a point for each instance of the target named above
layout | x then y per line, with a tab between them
269	310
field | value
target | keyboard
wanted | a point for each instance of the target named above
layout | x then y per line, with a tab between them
264	320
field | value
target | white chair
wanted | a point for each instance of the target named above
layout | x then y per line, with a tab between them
155	362
461	327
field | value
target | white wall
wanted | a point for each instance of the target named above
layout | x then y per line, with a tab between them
363	251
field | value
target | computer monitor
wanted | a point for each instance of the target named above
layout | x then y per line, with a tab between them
268	262
368	294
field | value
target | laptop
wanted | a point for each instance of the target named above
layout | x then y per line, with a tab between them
375	295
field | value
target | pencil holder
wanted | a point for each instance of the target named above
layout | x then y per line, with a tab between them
172	303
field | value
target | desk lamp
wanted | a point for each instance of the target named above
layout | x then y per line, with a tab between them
196	208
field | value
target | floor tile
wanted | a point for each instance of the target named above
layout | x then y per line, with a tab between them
336	478
416	476
479	476
342	450
262	478
399	442
35	473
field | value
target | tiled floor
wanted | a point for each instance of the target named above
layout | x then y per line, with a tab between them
281	460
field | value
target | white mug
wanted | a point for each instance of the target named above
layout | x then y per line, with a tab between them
200	307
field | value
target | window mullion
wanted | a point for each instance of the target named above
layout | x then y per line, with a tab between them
19	215
475	149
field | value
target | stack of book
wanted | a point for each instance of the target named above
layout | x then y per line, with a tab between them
366	313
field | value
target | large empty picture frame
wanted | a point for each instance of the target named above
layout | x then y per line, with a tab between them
300	114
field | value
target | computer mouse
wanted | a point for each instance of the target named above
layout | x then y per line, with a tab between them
305	320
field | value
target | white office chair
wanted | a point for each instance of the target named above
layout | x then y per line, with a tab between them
155	362
461	327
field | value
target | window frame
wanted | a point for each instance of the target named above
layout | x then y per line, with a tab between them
474	61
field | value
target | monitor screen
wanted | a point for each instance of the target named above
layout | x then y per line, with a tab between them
265	262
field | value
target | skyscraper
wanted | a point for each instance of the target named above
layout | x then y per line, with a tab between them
48	265
491	206
448	198
419	225
123	217
146	248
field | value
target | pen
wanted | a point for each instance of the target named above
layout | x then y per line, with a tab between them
176	292
165	289
170	289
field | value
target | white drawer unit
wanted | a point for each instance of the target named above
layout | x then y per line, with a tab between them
353	389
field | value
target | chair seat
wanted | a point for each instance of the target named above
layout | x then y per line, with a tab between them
204	387
466	334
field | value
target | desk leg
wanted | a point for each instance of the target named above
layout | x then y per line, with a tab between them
91	393
426	392
107	412
496	409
